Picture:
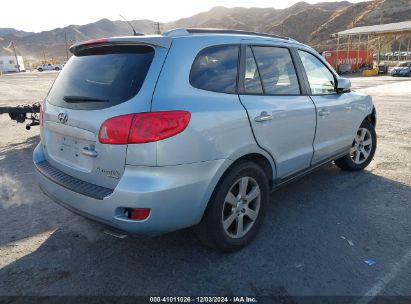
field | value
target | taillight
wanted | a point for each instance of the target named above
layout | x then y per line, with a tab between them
115	130
154	126
143	127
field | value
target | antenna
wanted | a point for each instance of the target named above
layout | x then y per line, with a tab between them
134	31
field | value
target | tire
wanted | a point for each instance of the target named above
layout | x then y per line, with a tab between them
40	70
57	69
226	206
361	152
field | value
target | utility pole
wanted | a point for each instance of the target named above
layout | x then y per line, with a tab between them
65	39
15	55
338	53
157	26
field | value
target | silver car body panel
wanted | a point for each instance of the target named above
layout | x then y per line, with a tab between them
176	177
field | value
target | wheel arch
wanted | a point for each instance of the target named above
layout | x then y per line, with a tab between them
261	161
264	161
372	117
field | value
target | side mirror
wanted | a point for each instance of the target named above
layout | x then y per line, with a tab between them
343	85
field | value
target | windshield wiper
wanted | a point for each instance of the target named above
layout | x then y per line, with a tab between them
83	99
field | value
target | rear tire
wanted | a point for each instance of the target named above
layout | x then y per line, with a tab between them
236	209
40	70
362	150
57	69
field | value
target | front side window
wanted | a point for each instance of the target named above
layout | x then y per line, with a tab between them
320	78
11	62
276	70
215	69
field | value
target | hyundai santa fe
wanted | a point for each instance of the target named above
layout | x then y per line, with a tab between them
194	127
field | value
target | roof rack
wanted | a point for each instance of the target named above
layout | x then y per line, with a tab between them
184	31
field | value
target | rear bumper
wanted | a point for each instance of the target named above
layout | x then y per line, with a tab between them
176	195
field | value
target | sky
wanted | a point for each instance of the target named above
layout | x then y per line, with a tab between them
43	15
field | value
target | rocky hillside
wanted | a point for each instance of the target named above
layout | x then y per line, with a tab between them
308	23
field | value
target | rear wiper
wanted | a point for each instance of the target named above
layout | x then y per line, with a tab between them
83	99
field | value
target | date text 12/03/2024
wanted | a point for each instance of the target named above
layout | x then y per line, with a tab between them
202	299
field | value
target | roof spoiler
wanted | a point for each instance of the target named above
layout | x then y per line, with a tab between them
157	41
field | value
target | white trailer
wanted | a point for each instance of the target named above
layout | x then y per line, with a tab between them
8	64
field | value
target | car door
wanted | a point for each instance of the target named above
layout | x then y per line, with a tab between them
335	120
281	116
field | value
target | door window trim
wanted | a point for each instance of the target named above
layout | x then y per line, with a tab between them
306	77
241	71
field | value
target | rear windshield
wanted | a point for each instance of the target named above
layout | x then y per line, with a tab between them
101	77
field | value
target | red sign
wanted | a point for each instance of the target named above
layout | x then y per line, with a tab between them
353	58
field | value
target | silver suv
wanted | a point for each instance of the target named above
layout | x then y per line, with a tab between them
195	127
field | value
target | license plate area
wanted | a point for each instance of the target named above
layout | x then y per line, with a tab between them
67	150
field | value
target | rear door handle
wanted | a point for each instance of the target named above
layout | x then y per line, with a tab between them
89	151
324	112
264	116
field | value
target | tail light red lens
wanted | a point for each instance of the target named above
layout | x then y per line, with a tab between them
143	127
138	214
148	127
115	130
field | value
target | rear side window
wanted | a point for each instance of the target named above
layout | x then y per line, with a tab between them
215	69
101	77
252	81
276	70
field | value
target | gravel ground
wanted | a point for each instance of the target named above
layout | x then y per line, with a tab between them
317	234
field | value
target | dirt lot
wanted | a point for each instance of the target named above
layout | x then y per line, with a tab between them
317	234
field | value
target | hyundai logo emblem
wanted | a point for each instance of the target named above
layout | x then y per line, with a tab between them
62	117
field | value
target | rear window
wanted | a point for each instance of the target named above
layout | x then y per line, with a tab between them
101	77
215	69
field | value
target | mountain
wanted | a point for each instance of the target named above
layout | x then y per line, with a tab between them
52	44
14	32
253	19
309	23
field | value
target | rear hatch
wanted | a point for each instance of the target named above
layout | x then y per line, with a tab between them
99	82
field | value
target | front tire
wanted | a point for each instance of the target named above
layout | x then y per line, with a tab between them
362	150
236	209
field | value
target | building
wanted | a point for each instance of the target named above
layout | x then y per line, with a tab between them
8	64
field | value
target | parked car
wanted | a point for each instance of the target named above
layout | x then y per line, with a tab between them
49	67
345	69
383	68
401	69
150	134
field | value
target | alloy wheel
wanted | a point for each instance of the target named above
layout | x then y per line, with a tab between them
361	147
241	207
